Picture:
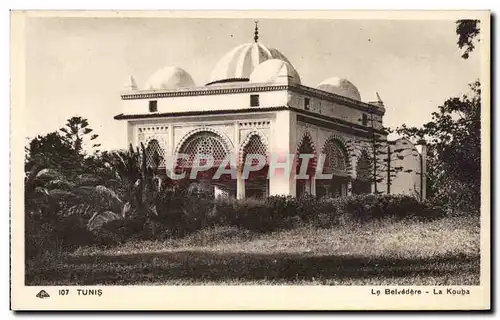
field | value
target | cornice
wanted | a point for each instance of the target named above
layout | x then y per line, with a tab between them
250	88
336	121
320	94
196	113
201	91
303	115
338	126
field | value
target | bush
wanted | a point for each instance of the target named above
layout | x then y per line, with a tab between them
57	234
250	214
180	215
72	232
284	212
121	230
39	238
369	207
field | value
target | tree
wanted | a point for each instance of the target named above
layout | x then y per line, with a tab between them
467	31
77	133
51	144
454	158
382	156
52	151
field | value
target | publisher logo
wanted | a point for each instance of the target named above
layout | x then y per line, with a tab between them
43	294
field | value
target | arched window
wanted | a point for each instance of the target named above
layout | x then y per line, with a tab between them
256	182
306	147
335	156
364	174
303	186
154	154
364	169
254	146
203	143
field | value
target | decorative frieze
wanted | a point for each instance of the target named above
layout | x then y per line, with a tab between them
146	134
147	129
201	91
254	124
182	134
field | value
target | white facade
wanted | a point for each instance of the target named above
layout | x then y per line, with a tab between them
256	102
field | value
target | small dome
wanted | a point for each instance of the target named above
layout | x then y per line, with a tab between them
240	62
169	78
340	86
276	71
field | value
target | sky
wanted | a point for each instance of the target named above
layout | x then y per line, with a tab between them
79	66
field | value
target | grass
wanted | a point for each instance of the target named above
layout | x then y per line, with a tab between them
441	252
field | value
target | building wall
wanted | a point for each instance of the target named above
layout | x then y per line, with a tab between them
280	131
172	132
406	182
332	109
402	183
320	136
231	101
283	144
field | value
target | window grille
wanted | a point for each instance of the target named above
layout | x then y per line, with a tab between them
155	154
254	146
335	157
306	147
364	167
205	143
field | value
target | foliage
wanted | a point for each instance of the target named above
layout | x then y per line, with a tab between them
53	147
467	31
376	164
77	133
114	197
286	212
454	151
90	192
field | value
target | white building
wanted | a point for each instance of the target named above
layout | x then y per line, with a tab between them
255	103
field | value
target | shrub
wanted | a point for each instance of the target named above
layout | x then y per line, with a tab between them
251	214
39	238
55	234
179	214
121	230
289	212
72	232
284	212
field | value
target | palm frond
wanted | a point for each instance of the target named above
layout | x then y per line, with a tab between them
127	210
87	179
101	197
49	174
98	219
60	195
60	184
83	210
42	191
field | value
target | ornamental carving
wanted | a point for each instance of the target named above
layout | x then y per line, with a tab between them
255	124
227	142
254	143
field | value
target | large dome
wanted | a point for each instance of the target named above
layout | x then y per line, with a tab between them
340	86
239	63
275	71
169	78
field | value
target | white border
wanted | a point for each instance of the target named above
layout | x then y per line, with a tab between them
147	5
